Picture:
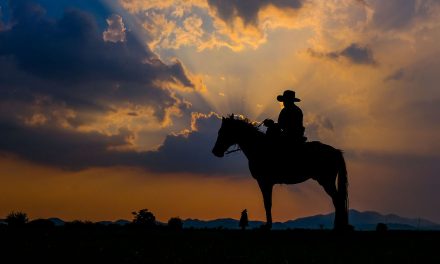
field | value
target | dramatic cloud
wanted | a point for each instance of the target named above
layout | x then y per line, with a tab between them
191	151
71	51
239	25
70	99
211	24
248	10
187	152
116	29
66	90
357	54
354	53
65	148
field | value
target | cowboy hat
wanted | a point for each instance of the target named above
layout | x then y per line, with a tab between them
288	95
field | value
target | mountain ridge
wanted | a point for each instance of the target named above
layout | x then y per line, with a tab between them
361	220
366	220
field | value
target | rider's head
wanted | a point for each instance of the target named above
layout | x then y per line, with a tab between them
288	98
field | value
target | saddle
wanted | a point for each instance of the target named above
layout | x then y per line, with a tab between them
277	136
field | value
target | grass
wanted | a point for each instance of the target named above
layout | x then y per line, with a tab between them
92	244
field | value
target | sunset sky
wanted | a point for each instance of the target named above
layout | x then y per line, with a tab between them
111	106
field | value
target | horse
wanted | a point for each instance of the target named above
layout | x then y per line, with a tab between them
272	161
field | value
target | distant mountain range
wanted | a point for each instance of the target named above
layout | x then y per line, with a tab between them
360	220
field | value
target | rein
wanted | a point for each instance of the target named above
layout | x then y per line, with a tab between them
232	151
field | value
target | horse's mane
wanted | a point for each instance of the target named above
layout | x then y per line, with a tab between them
246	122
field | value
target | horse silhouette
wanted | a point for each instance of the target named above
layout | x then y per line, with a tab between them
276	162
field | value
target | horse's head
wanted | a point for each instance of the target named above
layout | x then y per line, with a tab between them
226	137
233	131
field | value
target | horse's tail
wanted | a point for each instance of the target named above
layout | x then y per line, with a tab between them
342	190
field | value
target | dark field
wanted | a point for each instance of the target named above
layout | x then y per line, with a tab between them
136	245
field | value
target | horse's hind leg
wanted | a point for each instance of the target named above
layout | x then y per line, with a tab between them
330	189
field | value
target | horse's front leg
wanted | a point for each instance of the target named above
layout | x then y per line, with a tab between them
266	190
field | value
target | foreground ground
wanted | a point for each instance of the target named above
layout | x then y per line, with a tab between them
134	245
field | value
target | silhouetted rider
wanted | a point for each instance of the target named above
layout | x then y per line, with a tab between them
290	121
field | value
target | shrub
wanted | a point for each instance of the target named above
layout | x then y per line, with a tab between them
144	218
17	219
175	223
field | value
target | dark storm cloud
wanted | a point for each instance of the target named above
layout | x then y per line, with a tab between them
248	10
68	60
358	54
68	149
65	148
72	49
355	53
63	64
192	153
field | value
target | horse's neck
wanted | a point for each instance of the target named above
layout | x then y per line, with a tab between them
249	143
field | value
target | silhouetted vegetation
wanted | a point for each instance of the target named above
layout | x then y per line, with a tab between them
144	218
124	244
16	219
85	241
175	223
